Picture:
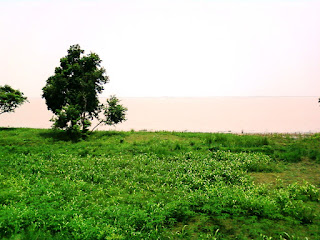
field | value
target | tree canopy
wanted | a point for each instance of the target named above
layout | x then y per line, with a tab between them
10	99
72	92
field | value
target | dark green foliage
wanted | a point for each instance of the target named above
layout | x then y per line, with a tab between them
143	185
76	82
10	99
72	92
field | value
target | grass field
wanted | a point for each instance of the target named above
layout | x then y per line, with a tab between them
158	185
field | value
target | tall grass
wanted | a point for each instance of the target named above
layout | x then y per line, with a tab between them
141	185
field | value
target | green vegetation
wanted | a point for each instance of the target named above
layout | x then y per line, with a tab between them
72	94
158	185
10	99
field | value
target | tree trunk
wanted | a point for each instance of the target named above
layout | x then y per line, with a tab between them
96	126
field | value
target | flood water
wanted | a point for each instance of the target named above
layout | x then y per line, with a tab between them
212	114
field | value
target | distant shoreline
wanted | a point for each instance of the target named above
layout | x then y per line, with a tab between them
253	115
165	131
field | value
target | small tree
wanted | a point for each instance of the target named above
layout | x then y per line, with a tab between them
72	92
113	112
10	99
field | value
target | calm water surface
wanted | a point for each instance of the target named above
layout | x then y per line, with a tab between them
213	114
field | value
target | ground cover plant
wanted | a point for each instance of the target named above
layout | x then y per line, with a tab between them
158	185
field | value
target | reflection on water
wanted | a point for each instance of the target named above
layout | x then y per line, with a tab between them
213	114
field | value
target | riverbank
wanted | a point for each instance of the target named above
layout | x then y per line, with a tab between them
210	114
167	185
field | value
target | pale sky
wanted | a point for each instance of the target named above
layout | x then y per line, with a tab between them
168	47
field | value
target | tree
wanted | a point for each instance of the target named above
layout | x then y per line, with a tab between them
72	92
10	99
113	112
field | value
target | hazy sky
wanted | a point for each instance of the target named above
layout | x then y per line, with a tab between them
168	47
